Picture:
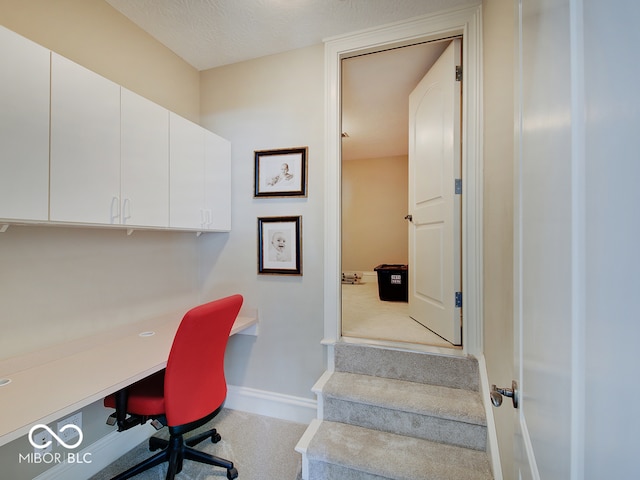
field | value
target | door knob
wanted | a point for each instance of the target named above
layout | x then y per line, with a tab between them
497	393
409	217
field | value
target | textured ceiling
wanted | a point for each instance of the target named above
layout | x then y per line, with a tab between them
211	33
375	99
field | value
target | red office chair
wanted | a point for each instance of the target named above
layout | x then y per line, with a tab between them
187	394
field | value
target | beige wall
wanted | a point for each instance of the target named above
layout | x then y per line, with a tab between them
374	203
271	102
499	69
95	35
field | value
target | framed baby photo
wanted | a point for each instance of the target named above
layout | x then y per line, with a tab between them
279	245
281	173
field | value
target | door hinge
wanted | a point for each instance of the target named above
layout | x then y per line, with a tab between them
458	299
458	186
458	73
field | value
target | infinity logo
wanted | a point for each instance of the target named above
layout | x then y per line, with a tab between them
53	434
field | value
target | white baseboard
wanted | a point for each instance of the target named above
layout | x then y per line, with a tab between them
368	277
115	444
271	404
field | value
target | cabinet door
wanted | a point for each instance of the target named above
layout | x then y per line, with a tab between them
85	145
24	128
186	170
144	162
217	188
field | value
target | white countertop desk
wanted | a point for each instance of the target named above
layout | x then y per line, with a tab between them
53	382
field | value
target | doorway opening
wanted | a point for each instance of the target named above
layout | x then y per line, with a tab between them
375	191
462	22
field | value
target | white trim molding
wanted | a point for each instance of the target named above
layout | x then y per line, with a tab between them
465	22
271	404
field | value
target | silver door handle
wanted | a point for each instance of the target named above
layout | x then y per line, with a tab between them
497	393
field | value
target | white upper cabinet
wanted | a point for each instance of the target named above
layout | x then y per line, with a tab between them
77	148
186	171
85	145
144	162
24	128
200	177
217	176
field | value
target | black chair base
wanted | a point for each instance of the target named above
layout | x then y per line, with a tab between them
175	451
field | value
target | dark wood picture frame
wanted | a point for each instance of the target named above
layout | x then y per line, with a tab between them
280	245
281	172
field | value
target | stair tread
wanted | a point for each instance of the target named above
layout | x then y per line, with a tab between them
395	456
402	395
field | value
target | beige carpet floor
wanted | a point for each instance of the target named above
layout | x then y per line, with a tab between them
364	315
261	448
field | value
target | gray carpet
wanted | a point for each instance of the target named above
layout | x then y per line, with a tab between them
260	447
390	414
390	456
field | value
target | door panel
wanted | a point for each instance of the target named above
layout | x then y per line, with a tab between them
428	282
434	164
544	276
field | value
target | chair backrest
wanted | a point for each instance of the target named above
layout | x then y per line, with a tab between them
194	382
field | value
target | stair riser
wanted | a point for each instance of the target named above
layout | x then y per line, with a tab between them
416	425
447	371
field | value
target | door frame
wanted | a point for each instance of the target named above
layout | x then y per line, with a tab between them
465	22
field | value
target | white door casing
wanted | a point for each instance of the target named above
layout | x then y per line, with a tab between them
465	22
434	205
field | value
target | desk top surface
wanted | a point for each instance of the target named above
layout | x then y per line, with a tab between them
51	383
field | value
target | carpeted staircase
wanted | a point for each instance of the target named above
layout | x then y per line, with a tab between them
392	414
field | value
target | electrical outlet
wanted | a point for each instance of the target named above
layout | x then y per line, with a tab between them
70	433
41	438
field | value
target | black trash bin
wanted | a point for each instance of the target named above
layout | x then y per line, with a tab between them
393	282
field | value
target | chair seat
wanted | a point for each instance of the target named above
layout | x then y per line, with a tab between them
145	398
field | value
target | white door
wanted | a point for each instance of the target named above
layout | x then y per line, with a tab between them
547	267
434	206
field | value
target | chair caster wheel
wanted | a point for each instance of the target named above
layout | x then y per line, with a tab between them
155	444
215	438
232	473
